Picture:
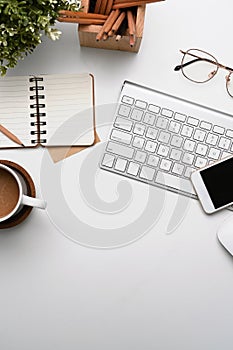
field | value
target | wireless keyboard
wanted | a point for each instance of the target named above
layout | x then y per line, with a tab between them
161	139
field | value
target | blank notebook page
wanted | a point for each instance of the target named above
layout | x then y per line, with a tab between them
15	110
69	109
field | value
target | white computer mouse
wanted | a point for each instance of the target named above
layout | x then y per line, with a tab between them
225	234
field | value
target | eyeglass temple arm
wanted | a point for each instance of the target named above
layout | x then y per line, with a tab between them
177	68
187	63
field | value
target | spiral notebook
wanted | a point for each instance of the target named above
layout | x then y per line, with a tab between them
48	110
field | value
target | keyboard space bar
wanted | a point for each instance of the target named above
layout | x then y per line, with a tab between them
174	182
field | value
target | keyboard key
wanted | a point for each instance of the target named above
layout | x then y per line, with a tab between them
166	113
180	117
141	104
229	133
200	162
199	135
147	173
164	137
137	115
175	182
218	130
187	131
214	153
165	164
189	171
212	139
193	121
201	149
120	150
138	142
151	146
178	169
224	143
124	110
162	123
108	160
122	123
188	158
120	164
133	168
163	150
139	129
153	160
175	154
121	136
151	133
154	109
128	100
140	157
149	118
189	145
205	125
174	127
176	141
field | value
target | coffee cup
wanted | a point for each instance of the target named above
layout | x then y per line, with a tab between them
12	196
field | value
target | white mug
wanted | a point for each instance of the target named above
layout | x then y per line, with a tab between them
22	198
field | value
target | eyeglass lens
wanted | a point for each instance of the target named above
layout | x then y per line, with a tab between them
198	66
229	84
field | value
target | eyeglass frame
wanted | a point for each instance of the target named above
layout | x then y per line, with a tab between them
215	62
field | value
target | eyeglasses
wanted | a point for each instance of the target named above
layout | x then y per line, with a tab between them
200	66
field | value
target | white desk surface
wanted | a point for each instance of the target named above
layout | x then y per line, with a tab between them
164	291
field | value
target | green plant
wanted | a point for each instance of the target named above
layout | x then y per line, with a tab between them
22	23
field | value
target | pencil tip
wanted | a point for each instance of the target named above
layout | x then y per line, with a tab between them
22	145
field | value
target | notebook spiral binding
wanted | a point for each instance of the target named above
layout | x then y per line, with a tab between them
37	97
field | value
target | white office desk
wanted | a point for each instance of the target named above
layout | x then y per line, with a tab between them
164	291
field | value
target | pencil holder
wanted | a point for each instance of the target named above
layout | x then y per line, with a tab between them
87	33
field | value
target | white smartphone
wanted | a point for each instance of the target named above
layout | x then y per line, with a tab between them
214	185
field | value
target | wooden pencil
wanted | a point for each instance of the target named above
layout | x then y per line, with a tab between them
137	1
132	27
131	23
109	25
132	4
102	30
103	6
81	20
10	136
105	36
118	22
67	13
97	6
109	7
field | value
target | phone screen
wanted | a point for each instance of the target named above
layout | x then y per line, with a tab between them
218	180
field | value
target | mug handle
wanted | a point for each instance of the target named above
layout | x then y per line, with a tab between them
33	202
